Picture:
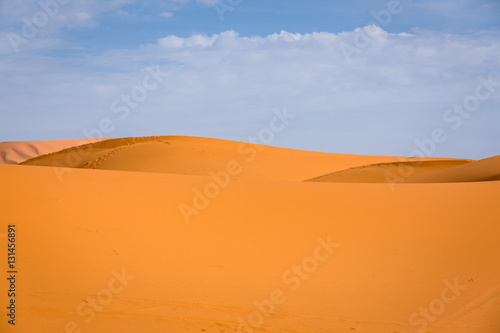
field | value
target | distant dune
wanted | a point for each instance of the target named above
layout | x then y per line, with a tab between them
200	156
483	170
14	152
384	172
184	234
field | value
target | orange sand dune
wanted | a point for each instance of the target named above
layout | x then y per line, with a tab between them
14	152
483	170
201	156
119	251
384	172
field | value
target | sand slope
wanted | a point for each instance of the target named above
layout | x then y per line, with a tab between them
201	156
14	152
483	170
388	172
111	250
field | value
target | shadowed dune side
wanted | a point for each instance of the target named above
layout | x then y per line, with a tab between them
203	156
83	155
14	152
483	170
388	172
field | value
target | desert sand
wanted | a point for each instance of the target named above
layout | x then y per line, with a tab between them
184	234
14	152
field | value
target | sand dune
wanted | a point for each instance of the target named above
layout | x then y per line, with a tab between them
483	170
384	172
14	152
201	156
140	237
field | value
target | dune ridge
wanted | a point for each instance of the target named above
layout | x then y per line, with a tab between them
487	169
88	150
384	172
200	156
14	152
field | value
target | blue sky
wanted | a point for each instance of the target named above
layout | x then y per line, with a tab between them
361	77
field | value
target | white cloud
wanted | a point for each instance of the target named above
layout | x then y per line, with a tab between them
393	91
166	14
196	40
